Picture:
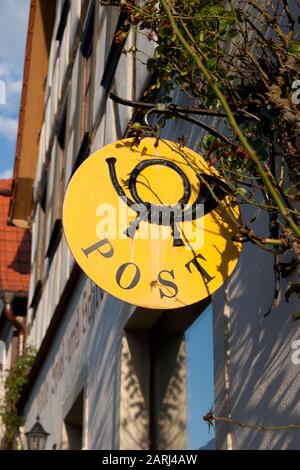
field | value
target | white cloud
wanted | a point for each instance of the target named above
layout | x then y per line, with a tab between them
13	28
6	174
14	86
4	70
10	91
8	127
2	92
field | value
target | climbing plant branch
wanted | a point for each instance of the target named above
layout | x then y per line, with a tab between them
210	419
252	154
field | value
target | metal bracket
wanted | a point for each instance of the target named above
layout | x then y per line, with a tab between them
180	112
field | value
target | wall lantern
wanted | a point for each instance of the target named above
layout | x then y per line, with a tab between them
37	436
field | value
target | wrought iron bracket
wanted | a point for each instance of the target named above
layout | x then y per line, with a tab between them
178	111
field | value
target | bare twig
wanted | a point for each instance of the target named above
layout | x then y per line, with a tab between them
250	151
211	419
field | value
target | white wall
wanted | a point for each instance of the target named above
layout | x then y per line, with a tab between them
263	381
85	354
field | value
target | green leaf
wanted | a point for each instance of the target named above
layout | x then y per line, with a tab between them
211	63
296	316
241	191
232	33
294	46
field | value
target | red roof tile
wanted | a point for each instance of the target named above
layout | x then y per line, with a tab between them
15	246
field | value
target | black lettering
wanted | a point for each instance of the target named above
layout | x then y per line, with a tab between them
135	279
107	254
195	262
167	283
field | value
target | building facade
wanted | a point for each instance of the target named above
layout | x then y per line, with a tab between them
109	375
88	373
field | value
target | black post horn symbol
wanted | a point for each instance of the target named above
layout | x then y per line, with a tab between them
161	214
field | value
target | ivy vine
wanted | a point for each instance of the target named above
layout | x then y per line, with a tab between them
14	384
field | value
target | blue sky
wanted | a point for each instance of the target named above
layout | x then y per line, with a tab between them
13	29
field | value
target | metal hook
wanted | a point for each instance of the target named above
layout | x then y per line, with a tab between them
178	111
183	116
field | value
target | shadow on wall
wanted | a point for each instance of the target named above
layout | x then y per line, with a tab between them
104	381
21	261
153	395
263	379
264	382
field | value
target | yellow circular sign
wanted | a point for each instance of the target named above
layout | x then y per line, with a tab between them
152	225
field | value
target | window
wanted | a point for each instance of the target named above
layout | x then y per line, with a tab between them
84	93
115	51
63	20
38	257
83	152
73	425
55	188
37	294
86	73
156	404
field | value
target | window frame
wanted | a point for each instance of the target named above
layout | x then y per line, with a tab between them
55	190
63	20
115	52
